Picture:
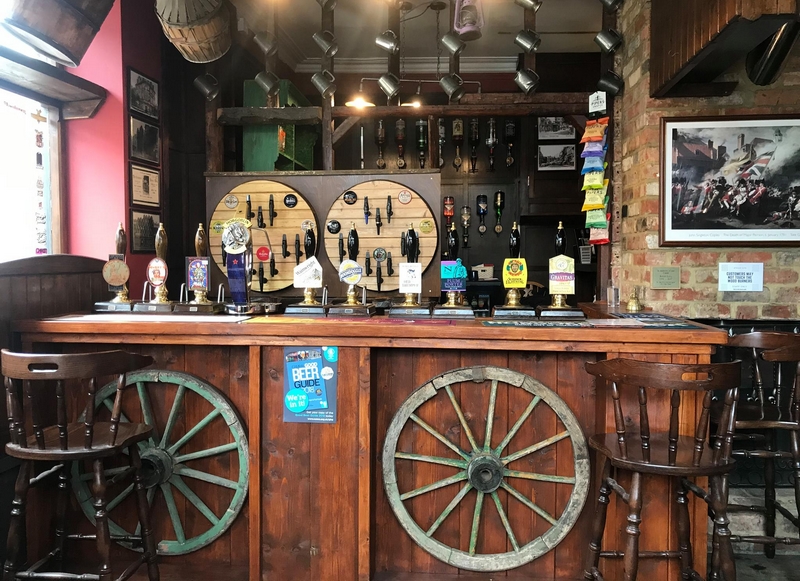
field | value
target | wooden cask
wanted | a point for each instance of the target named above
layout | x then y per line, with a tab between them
59	29
199	29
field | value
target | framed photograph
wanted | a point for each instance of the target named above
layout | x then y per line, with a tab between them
556	157
555	128
143	231
730	181
145	186
145	141
142	94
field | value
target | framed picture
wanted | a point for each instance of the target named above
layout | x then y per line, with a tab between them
143	231
730	181
142	94
555	128
145	141
145	186
556	157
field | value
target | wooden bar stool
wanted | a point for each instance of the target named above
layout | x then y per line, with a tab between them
639	452
771	410
65	443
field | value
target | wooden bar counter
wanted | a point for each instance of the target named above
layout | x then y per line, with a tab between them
317	510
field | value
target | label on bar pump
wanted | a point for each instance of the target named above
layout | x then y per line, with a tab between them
308	274
515	273
562	275
410	277
237	278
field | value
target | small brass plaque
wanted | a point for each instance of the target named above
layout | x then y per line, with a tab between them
666	277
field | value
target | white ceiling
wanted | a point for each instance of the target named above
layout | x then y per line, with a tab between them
565	26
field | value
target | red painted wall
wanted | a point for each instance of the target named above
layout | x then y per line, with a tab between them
96	150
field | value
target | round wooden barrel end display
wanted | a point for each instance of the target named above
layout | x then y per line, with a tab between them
200	30
407	207
290	214
61	30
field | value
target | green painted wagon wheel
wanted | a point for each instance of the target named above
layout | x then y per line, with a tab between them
483	469
165	468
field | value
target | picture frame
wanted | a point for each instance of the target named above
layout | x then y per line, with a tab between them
145	141
556	157
730	181
145	186
553	128
143	226
143	95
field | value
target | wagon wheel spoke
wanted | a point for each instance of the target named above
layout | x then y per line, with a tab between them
529	503
449	509
207	453
513	431
172	508
173	416
193	432
432	459
147	410
487	444
119	498
504	519
536	447
433	432
540	477
460	477
206	477
476	522
462	419
178	483
107	472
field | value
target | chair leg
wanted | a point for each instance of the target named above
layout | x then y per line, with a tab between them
722	533
769	495
599	524
144	516
16	548
684	534
631	560
795	442
101	520
61	515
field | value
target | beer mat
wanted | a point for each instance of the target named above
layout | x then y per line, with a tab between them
616	323
535	324
365	320
658	321
150	318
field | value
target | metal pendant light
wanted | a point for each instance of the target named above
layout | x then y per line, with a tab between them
527	80
388	41
528	40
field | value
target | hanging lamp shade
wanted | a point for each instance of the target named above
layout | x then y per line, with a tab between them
468	20
199	29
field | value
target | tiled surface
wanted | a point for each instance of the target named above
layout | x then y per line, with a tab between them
759	568
750	523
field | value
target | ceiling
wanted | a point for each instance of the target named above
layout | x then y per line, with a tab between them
565	26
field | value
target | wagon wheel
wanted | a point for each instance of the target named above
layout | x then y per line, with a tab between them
167	467
485	470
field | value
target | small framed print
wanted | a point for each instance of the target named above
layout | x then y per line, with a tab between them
556	157
143	231
145	141
550	128
142	94
197	276
145	186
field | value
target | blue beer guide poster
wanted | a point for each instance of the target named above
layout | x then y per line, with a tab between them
310	376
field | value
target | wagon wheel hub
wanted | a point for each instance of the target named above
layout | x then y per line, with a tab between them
485	473
156	467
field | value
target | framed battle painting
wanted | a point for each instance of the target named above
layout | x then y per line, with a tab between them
730	181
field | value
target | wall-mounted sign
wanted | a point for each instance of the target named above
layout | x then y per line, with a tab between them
665	277
310	384
741	276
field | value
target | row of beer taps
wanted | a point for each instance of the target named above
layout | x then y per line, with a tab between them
492	141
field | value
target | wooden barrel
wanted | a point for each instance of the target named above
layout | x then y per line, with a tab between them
60	29
199	29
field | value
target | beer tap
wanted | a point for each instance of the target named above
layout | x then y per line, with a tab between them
442	140
452	242
378	222
271	207
491	141
341	247
389	269
400	140
368	264
310	242
561	240
422	141
362	146
261	278
297	253
474	140
403	245
483	210
224	254
499	204
378	275
380	141
352	242
511	137
284	247
272	270
389	212
412	244
514	243
367	213
466	215
458	141
260	218
449	209
250	213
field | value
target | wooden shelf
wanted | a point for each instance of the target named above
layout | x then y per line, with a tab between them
77	98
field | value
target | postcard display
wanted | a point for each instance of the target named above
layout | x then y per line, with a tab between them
283	208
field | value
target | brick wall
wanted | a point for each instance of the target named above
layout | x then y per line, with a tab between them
636	178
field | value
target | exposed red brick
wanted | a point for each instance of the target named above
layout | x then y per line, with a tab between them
691	294
779	311
749	256
746	312
697	258
780	275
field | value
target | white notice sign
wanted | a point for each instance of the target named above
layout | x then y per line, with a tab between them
597	102
308	274
741	276
410	277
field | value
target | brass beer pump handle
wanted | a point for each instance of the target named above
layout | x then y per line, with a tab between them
121	240
161	242
200	241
